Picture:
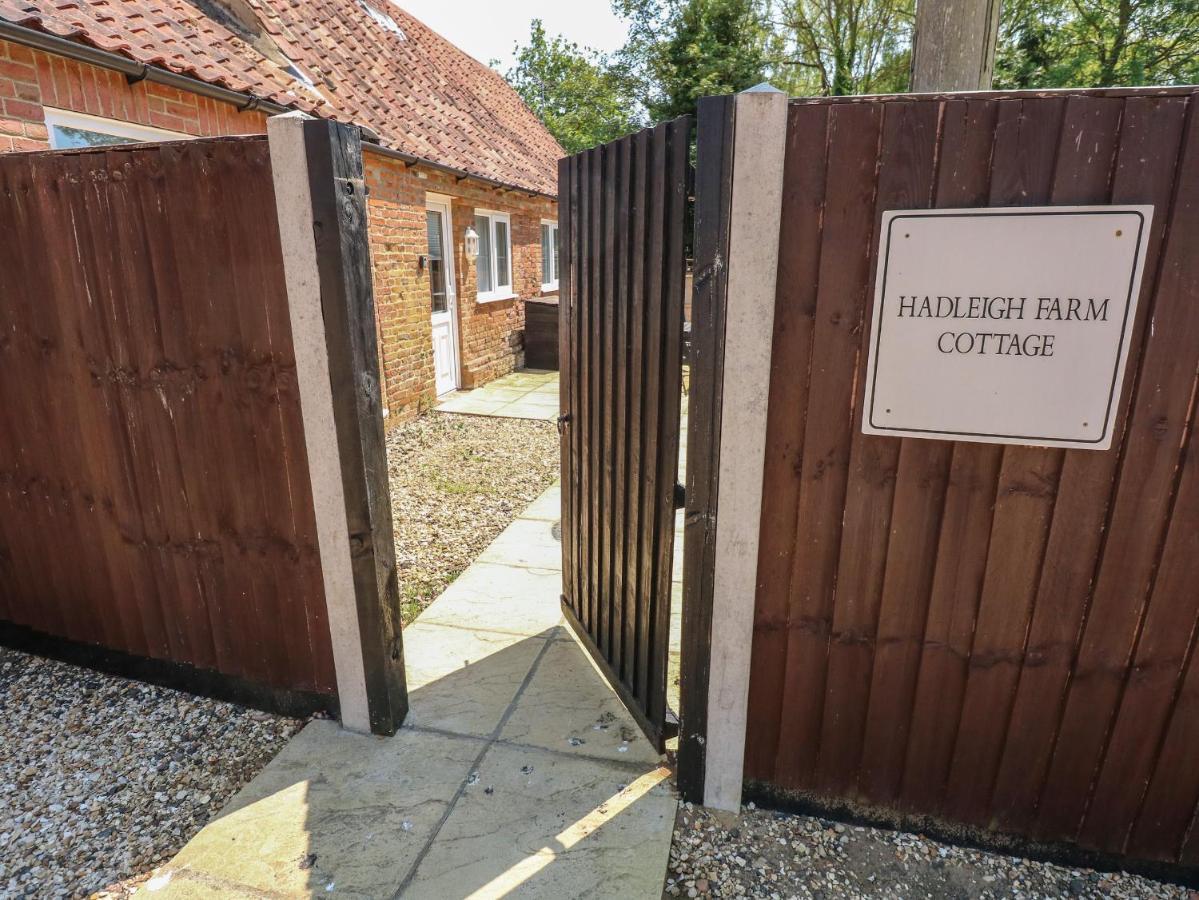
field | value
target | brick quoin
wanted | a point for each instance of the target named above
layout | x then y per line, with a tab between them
490	334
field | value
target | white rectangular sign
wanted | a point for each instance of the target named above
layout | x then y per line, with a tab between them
1005	325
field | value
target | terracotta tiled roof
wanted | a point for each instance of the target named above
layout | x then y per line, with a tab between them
361	61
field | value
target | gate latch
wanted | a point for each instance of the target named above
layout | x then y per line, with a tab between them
562	420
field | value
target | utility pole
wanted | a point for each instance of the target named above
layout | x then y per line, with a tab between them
954	45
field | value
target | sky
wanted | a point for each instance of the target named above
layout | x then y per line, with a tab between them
488	30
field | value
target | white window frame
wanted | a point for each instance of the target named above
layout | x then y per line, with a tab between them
66	118
508	291
552	284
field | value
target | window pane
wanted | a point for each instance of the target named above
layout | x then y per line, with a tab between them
503	277
554	241
66	138
436	262
483	262
547	261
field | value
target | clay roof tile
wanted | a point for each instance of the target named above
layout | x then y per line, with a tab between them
418	91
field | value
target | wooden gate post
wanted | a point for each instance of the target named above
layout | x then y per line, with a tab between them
321	201
739	184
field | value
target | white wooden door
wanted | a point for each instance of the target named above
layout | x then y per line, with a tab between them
442	296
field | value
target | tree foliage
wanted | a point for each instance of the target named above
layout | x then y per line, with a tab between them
843	46
580	97
1097	43
681	50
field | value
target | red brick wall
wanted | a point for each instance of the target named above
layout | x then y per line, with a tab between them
489	333
31	80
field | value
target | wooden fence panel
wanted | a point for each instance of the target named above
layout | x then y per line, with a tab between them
154	488
623	311
997	636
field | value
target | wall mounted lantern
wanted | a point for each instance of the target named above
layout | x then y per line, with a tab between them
472	243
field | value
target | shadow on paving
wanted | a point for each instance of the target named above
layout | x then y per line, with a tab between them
518	771
433	813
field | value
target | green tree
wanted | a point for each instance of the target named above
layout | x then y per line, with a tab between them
582	100
844	46
681	50
1097	43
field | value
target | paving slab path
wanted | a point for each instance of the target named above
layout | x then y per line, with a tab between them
524	394
517	774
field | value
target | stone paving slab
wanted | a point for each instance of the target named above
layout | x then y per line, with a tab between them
529	543
561	709
462	680
335	813
525	394
552	826
482	793
471	601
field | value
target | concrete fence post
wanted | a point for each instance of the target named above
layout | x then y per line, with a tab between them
739	183
321	204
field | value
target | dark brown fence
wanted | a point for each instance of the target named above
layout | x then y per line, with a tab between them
1002	636
154	488
541	333
621	306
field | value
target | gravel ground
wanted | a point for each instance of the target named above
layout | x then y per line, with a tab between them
780	855
103	778
456	483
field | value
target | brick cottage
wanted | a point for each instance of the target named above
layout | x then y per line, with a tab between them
454	160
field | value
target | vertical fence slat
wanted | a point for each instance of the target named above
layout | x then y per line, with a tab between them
853	141
1080	522
1147	481
1158	661
1022	172
1090	149
652	408
921	474
618	387
215	342
1171	800
906	172
669	379
965	517
791	361
637	300
591	402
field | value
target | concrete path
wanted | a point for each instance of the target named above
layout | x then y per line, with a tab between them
518	773
527	394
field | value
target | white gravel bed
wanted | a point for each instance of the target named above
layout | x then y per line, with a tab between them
780	855
456	482
102	778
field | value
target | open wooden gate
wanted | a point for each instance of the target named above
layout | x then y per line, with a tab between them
623	214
